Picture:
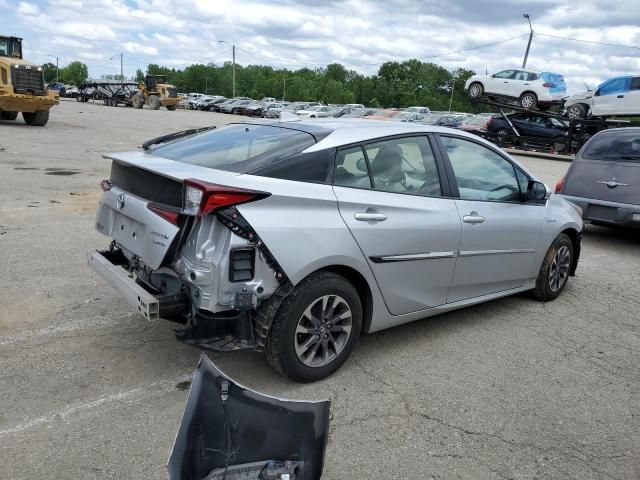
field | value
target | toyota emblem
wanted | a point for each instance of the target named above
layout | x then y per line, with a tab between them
120	202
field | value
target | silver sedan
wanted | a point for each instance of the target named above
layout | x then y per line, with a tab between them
296	238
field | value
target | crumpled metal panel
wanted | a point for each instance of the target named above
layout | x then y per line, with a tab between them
226	424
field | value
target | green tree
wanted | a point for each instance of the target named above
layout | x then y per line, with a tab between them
75	73
50	72
139	76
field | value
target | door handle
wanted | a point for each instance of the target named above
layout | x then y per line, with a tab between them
370	217
620	96
473	218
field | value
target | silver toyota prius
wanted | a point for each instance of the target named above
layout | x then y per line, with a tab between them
296	238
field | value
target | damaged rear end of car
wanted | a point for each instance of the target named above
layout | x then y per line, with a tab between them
180	247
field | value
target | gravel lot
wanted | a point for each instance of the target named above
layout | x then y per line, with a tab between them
508	389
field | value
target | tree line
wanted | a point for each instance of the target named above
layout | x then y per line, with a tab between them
396	84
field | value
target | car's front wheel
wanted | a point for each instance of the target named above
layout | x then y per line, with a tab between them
555	269
576	111
316	328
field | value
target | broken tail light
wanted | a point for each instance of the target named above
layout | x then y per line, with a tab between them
560	185
201	198
169	215
549	85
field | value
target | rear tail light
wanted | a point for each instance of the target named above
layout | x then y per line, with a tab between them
201	198
168	215
560	185
549	85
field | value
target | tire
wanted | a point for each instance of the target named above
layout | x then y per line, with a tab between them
555	269
285	348
576	111
234	111
154	102
171	108
138	101
8	115
36	119
476	90
528	100
502	133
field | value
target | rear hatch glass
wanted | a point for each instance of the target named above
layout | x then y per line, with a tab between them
608	168
238	148
556	80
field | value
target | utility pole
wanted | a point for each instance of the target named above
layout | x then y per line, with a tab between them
526	54
57	71
452	88
284	89
233	47
121	69
233	50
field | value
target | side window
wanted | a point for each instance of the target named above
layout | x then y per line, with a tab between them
532	76
505	74
481	173
404	165
520	75
351	169
616	85
635	83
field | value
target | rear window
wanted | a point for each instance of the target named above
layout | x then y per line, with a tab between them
620	145
236	148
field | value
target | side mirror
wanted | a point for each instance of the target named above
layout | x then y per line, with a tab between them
538	191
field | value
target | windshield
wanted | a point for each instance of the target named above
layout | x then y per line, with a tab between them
614	145
236	148
10	47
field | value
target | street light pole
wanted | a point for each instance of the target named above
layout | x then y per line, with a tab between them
233	49
284	89
526	54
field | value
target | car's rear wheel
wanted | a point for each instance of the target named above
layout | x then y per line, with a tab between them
476	90
316	328
559	146
555	269
576	111
528	100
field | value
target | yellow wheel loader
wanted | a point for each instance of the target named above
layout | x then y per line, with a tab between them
156	92
22	86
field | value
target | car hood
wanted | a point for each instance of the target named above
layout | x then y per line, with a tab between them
580	96
229	431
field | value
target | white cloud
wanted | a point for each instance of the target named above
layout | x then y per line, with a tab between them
361	34
28	9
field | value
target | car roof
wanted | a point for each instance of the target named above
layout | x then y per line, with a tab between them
345	131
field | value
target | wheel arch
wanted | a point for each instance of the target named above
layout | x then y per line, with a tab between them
522	94
576	241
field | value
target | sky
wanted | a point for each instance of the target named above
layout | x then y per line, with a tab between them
360	34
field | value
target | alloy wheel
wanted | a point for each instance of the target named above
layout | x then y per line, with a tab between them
527	101
559	270
323	331
475	91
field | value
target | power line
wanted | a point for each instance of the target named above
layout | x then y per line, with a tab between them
588	41
476	47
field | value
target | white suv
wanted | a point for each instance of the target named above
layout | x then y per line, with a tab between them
616	96
531	89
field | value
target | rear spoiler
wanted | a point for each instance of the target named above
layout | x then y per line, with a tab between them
174	136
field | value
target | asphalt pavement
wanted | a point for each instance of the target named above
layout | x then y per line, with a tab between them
509	389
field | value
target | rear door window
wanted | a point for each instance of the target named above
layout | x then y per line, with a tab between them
352	169
404	165
505	74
